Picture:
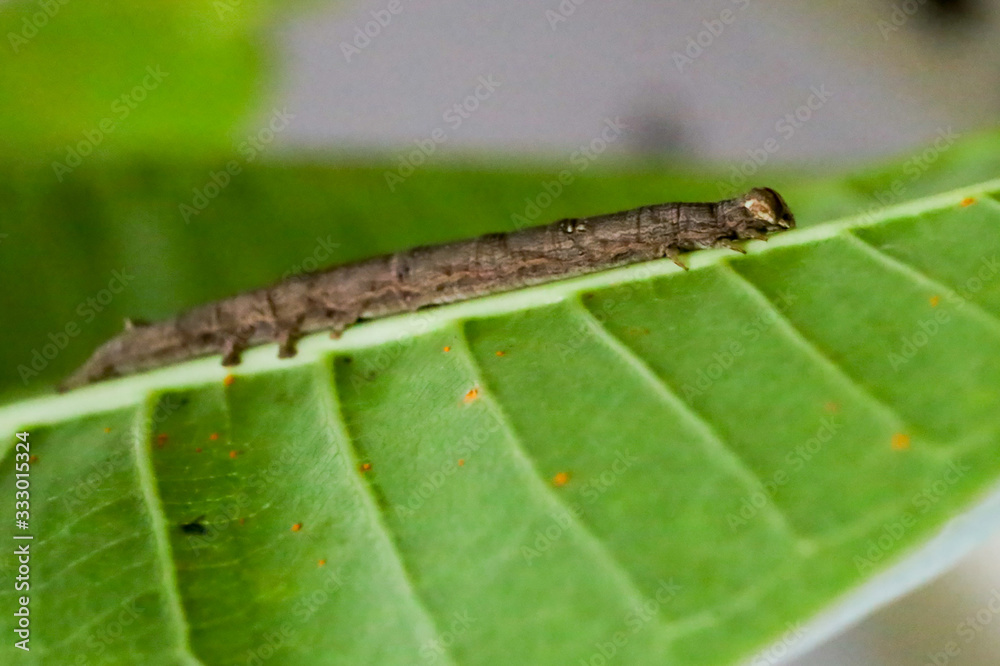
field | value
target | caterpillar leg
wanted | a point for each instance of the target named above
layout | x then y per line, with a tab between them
675	256
728	244
287	341
337	325
232	350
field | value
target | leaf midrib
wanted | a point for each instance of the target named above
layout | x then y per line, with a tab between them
129	391
158	527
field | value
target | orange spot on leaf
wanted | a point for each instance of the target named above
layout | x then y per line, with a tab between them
461	462
447	349
501	353
33	459
229	379
242	521
233	454
900	441
321	563
161	439
471	395
107	430
198	450
214	436
967	201
935	300
296	527
365	467
560	479
831	407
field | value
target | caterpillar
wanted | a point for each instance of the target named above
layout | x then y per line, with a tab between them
338	297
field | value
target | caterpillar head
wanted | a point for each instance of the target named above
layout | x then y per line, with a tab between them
764	212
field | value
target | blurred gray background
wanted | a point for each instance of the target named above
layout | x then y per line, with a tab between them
561	73
833	84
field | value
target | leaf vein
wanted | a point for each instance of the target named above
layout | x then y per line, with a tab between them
917	276
716	444
633	591
797	337
342	438
171	590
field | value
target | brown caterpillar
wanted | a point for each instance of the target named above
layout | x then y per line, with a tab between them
425	276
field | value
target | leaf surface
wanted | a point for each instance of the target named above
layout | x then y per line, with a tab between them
650	464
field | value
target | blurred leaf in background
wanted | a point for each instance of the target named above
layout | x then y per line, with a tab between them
93	79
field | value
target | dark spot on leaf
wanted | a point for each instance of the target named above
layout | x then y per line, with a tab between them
195	526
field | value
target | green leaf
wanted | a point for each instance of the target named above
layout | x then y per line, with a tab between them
161	78
663	466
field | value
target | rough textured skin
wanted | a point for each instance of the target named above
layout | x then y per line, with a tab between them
425	276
